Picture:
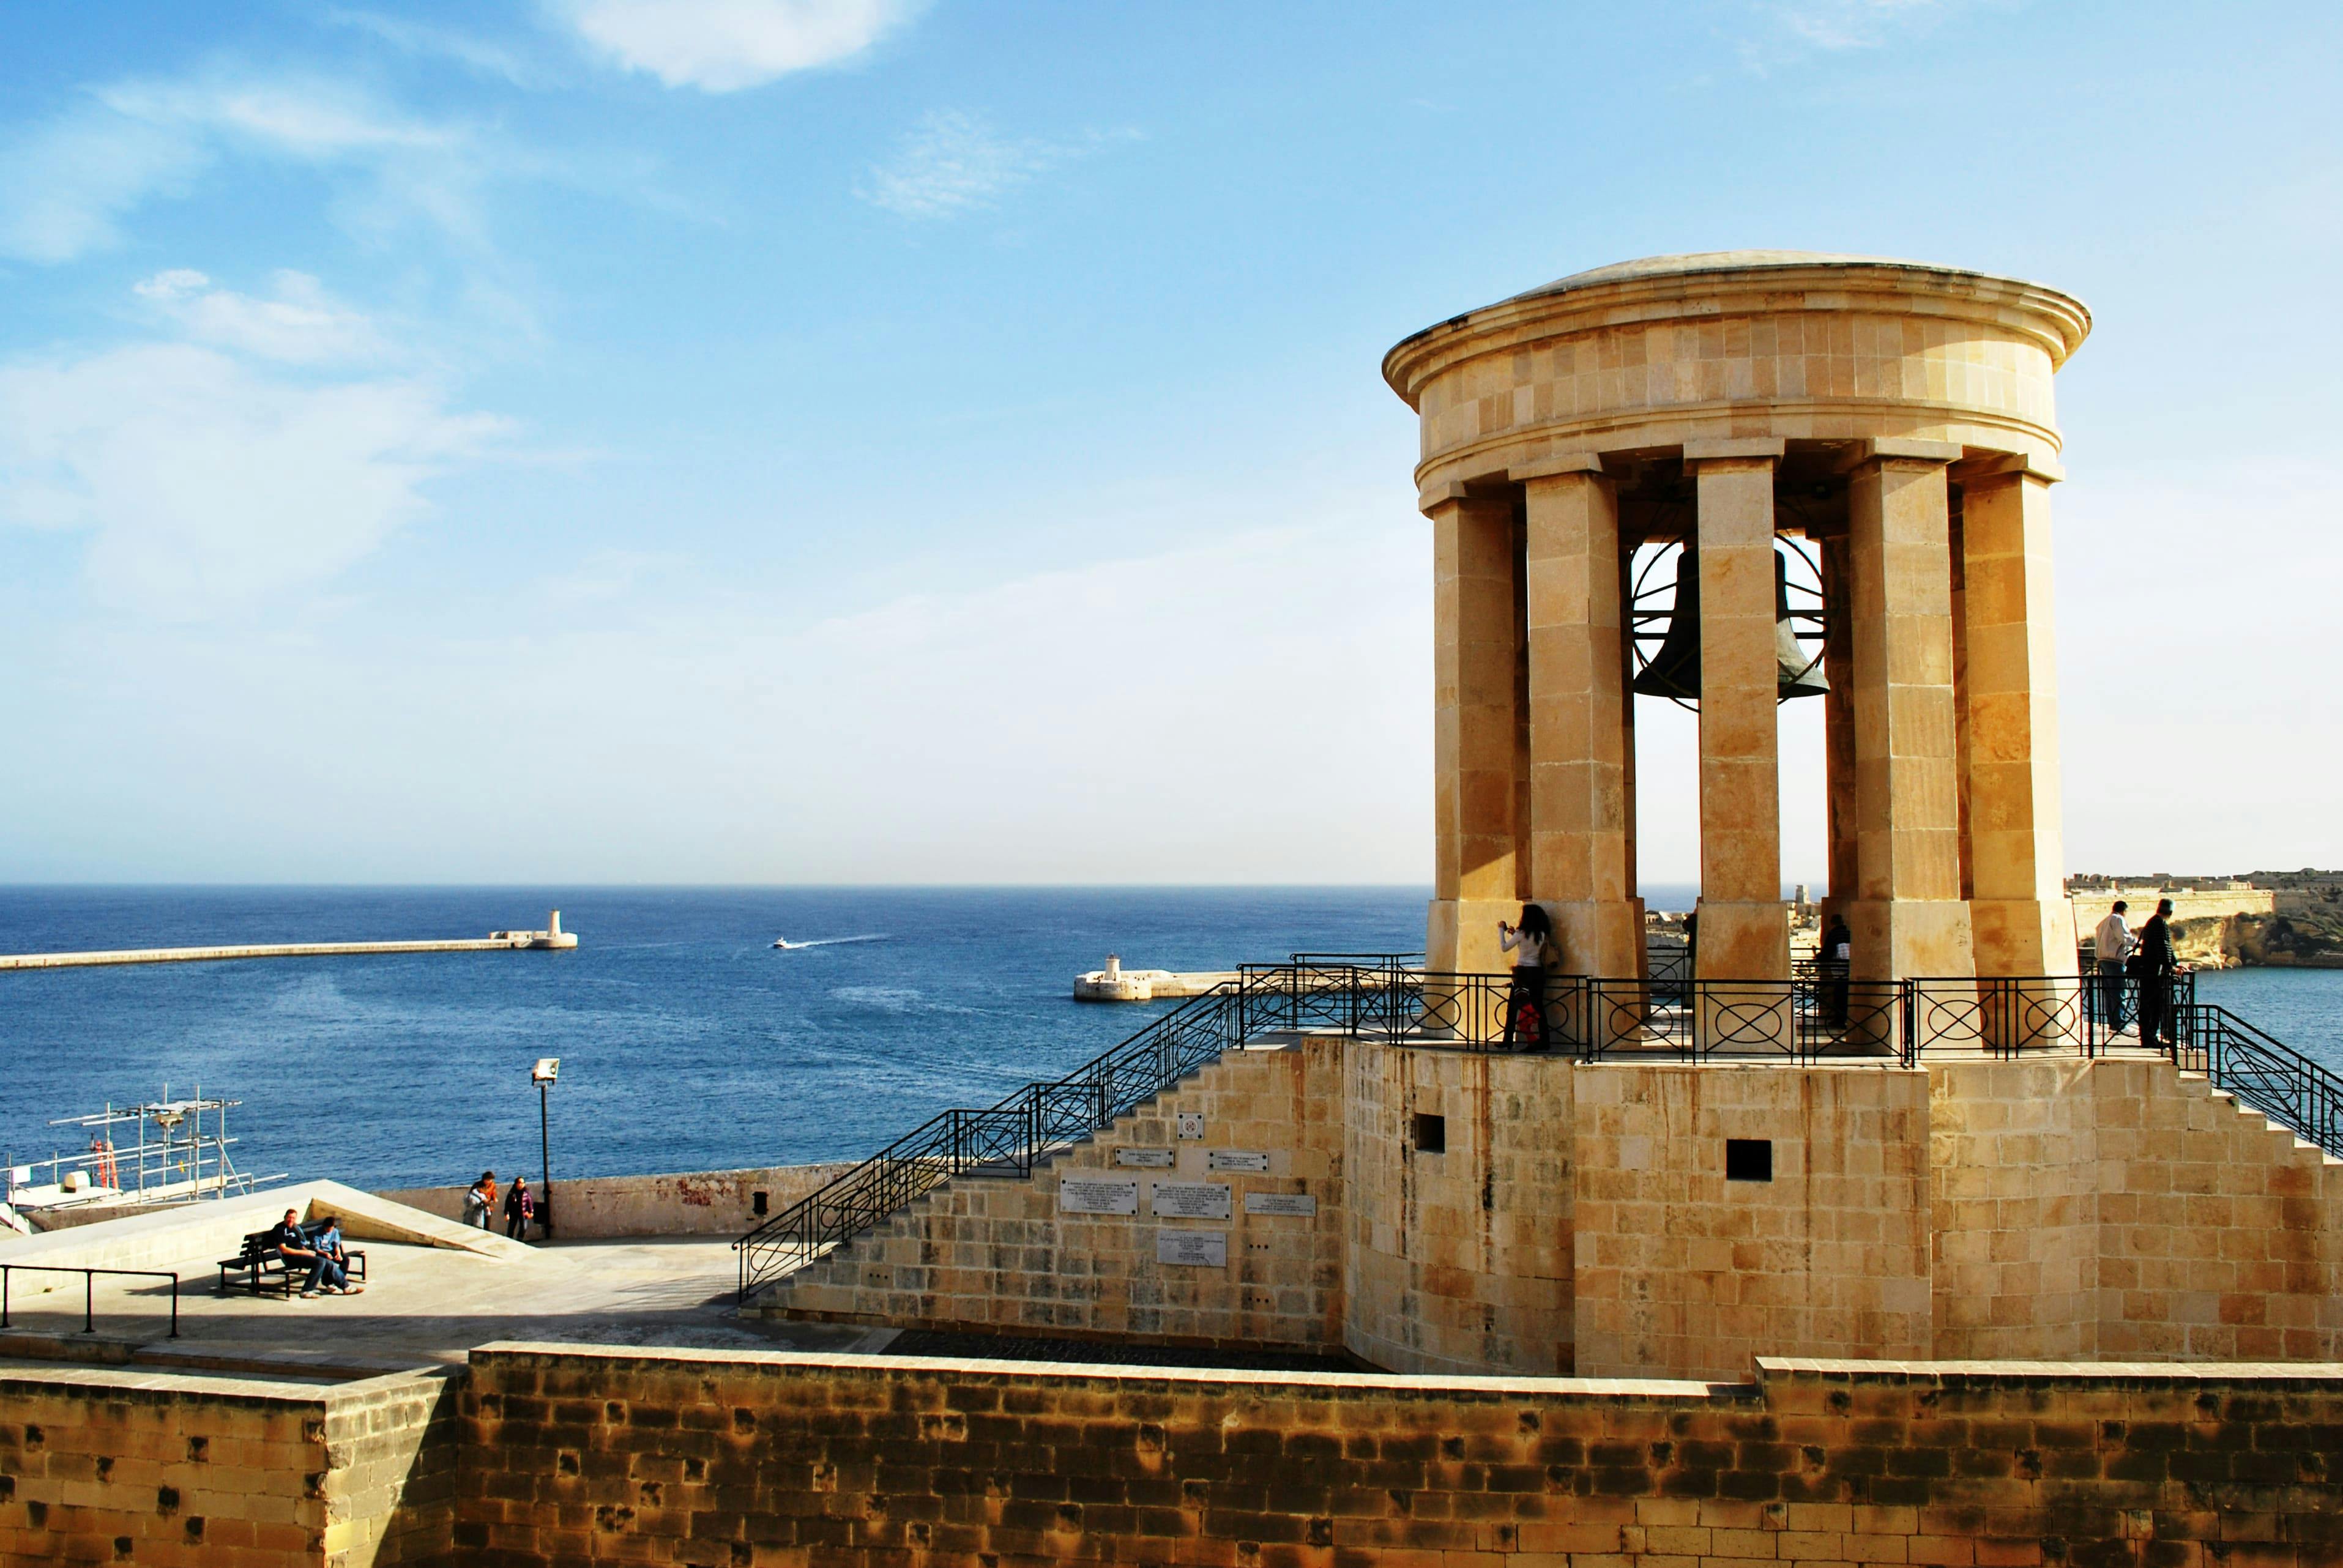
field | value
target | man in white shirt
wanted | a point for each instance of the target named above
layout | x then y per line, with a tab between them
2112	943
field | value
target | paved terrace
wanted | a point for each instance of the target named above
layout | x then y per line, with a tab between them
432	1293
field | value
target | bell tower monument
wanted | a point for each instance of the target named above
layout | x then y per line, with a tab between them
1890	423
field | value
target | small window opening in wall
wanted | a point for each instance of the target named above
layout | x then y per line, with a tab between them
756	1202
1431	1134
1748	1159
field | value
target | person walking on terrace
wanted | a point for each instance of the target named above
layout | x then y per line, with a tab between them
2157	965
2112	943
1525	1000
521	1209
480	1202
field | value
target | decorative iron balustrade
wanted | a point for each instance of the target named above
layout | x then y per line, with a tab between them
1008	1137
1818	1015
2294	1091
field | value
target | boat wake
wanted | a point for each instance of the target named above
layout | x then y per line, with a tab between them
788	946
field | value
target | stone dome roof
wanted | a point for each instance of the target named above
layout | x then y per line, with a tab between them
1717	261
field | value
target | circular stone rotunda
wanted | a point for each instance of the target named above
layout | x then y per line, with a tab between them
1893	418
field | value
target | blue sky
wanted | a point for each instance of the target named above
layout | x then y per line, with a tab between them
850	441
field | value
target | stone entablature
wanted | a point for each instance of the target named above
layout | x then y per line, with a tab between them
1578	1218
1738	344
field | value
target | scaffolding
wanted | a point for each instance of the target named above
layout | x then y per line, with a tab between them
164	1152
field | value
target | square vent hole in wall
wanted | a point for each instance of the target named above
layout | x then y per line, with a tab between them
1431	1134
1748	1159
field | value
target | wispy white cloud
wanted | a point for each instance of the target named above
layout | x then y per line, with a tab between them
1795	27
952	163
724	45
300	325
65	187
207	483
417	38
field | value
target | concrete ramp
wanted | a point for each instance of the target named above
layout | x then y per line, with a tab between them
171	1238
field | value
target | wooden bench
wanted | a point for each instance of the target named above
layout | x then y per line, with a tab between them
263	1266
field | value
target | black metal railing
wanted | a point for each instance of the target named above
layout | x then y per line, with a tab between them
1008	1137
89	1289
1805	1018
1819	1013
2294	1091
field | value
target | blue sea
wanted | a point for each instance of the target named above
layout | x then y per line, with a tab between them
686	1041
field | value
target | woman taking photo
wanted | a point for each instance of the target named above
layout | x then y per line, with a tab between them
1525	1002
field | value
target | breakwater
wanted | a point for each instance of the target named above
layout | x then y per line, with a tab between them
552	937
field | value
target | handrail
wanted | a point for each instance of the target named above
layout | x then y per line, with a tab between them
1012	1135
1820	1012
89	1289
2300	1095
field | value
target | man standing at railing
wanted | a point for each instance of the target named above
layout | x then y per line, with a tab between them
2112	943
2155	967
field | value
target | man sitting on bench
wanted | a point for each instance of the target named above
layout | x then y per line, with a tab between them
333	1262
292	1244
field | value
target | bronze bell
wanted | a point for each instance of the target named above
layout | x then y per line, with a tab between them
1675	670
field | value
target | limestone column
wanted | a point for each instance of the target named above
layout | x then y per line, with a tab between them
1580	857
1745	928
1476	729
1838	726
2023	922
1907	916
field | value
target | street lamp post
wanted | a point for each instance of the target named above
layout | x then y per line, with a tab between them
546	1070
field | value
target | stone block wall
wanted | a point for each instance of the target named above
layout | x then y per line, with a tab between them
2221	1236
748	1460
679	1203
1008	1254
1680	1268
2014	1182
1578	1219
118	1464
1459	1261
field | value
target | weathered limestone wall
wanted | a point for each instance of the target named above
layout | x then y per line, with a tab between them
1004	1253
1458	1261
1578	1219
2014	1182
115	1465
580	1454
1682	1272
686	1204
2220	1237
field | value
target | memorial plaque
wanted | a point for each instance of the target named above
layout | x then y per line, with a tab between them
1146	1159
1199	1249
1298	1204
1192	1200
1235	1159
1191	1124
1089	1195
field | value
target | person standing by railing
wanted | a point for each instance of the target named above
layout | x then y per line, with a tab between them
2155	969
1526	1001
1833	960
2112	943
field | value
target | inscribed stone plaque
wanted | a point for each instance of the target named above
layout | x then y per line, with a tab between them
1235	1159
1147	1158
1191	1124
1192	1200
1302	1203
1204	1248
1089	1195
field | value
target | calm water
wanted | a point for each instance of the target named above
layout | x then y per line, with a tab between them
687	1041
